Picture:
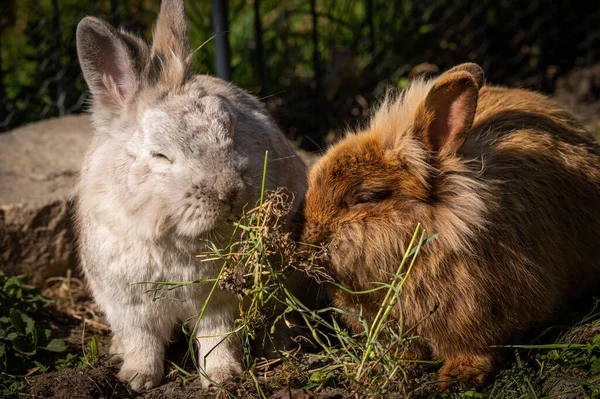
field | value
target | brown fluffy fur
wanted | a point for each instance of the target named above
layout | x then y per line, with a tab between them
511	183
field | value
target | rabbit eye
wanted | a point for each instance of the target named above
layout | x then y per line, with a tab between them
366	199
158	155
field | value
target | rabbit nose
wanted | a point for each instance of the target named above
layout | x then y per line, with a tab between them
229	197
230	203
226	209
315	235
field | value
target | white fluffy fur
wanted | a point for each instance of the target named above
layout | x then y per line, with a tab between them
163	173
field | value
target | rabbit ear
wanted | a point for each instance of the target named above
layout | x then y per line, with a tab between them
474	69
446	115
170	32
111	61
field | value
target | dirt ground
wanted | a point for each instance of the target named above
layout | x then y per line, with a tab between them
76	320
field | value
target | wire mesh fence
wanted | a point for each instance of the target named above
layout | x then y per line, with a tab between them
318	64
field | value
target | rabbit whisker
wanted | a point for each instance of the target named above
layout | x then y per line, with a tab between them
189	57
315	143
272	95
272	161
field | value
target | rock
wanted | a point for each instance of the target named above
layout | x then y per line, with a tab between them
579	91
39	163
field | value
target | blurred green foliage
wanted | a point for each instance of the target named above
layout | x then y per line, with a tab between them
363	47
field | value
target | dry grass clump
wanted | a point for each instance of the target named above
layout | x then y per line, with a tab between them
258	263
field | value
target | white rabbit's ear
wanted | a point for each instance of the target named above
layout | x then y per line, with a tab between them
111	61
170	36
444	118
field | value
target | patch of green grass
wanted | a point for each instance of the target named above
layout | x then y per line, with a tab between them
25	347
569	365
90	358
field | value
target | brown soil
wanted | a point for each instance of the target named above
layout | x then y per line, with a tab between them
81	384
76	319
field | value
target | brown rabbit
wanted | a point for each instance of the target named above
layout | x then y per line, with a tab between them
510	181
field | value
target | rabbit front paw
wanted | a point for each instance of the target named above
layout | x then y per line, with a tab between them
140	379
220	374
471	371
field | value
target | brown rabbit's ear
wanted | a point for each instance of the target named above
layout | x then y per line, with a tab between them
170	36
446	115
111	61
474	69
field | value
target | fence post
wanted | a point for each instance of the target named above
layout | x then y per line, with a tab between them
3	109
321	104
60	100
260	63
114	13
371	25
315	39
221	29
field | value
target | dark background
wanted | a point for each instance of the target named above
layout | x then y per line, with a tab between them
316	79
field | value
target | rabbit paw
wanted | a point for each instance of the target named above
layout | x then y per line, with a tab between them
220	374
139	379
471	371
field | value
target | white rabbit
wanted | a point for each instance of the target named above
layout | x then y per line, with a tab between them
174	155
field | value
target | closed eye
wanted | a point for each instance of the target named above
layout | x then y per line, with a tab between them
366	199
160	156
